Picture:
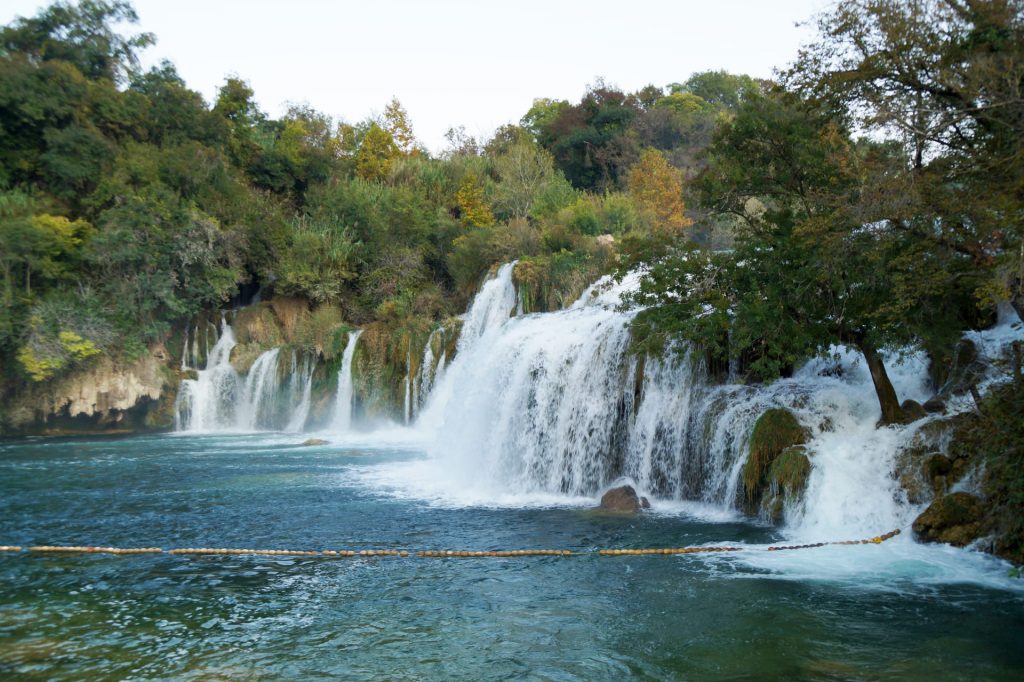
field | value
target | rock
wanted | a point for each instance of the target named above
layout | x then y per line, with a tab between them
775	431
964	370
623	499
787	480
314	441
912	411
954	519
934	405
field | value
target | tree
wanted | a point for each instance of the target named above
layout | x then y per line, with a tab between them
524	170
657	189
814	265
718	88
376	153
945	78
81	34
472	205
397	123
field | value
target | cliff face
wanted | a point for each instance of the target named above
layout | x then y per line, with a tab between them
104	397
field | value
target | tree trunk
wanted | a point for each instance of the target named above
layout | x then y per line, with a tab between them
892	413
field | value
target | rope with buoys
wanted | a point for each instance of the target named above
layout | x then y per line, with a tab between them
877	540
440	554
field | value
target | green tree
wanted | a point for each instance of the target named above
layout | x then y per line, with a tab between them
81	34
814	263
944	78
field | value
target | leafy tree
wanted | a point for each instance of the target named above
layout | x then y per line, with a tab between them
657	189
396	122
376	153
80	34
590	140
812	265
718	88
524	170
944	78
473	208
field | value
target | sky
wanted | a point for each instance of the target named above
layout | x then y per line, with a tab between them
478	64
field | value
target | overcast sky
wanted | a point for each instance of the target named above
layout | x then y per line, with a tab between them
458	62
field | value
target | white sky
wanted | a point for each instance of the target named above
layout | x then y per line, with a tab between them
458	62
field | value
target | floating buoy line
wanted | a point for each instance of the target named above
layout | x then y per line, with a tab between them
445	554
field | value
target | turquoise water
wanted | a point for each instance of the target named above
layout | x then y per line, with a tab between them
897	610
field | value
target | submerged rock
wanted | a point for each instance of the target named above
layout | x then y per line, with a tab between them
954	519
623	499
314	441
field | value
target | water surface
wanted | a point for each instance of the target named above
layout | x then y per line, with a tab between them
897	610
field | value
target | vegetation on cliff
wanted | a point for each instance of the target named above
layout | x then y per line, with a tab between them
129	205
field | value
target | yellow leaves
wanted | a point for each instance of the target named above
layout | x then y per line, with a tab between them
73	348
657	189
76	346
397	123
376	154
473	208
66	234
39	369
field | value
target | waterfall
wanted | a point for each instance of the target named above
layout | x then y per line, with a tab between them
343	400
430	371
260	394
300	385
219	399
555	403
490	309
207	403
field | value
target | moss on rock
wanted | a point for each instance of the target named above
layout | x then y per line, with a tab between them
775	431
787	479
955	519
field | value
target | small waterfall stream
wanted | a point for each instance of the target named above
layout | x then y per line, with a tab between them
343	399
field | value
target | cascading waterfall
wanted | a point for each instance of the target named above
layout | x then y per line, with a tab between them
300	385
219	399
343	400
430	371
207	403
261	388
555	403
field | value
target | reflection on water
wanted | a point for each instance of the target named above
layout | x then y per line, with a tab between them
897	610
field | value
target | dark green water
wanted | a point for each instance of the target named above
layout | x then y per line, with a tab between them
896	611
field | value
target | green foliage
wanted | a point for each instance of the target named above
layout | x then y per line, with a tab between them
376	154
998	437
64	330
320	259
80	34
774	432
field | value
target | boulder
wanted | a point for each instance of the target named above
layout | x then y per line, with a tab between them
934	405
912	411
775	431
954	519
623	499
314	441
